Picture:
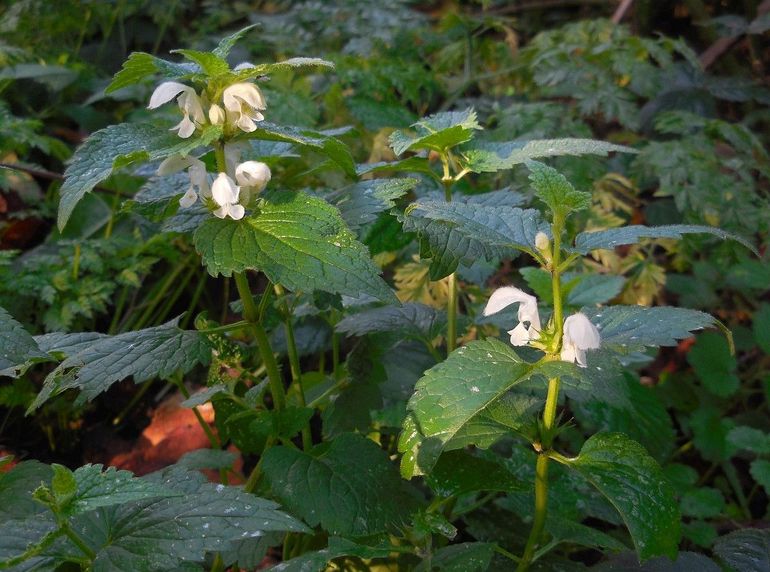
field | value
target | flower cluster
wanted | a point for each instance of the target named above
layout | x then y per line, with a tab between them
579	334
242	104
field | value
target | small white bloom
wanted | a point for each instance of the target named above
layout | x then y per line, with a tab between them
579	335
252	174
542	242
199	178
225	194
216	115
189	103
188	199
522	334
244	102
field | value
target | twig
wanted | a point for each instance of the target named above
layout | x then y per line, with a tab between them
720	46
621	10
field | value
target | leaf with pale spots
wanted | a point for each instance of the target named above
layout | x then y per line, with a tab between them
299	242
347	487
450	395
623	471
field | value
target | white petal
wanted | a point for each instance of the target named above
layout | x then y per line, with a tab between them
519	335
246	124
253	174
568	352
224	190
237	212
190	103
247	93
579	331
165	92
185	128
199	177
174	164
504	297
216	115
221	212
188	199
233	153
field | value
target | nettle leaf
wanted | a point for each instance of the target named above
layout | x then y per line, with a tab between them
464	557
66	344
333	148
317	561
490	156
714	365
18	346
555	190
290	64
586	242
437	132
565	530
634	483
359	204
164	534
144	354
746	550
139	65
413	320
16	488
298	241
209	63
631	328
347	487
118	146
460	472
96	488
750	439
450	395
228	42
464	230
409	165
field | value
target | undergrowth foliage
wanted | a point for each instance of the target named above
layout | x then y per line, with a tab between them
430	442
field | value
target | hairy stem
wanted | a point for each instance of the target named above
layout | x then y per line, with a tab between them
76	540
451	309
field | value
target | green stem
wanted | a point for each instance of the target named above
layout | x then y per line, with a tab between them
335	354
251	313
213	439
193	303
76	262
541	510
451	325
76	540
251	483
296	371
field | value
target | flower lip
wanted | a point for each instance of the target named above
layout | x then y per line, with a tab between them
253	174
225	193
501	298
165	92
579	335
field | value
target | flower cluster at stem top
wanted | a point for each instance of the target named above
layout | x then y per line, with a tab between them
578	334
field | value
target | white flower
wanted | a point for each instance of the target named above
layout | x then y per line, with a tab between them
189	103
199	178
244	102
579	335
233	154
226	193
216	115
542	242
522	334
252	174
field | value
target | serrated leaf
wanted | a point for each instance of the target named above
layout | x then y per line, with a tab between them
413	320
409	165
316	561
592	289
345	487
460	472
117	146
359	204
630	328
703	502
714	365
299	242
450	395
17	346
290	64
760	472
210	64
66	344
586	242
750	439
139	65
228	42
555	190
462	231
464	557
565	530
746	550
163	534
685	562
489	156
761	327
143	354
633	482
16	488
437	132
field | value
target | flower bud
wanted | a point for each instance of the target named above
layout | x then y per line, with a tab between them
542	242
216	115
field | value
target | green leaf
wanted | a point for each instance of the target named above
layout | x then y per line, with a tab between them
139	65
490	156
333	148
18	346
144	354
760	472
63	484
64	344
633	482
625	329
209	63
685	562
750	439
555	190
464	557
460	472
714	365
16	487
299	242
412	320
290	64
462	231
228	42
162	534
359	204
711	428
592	289
586	242
450	395
746	550
565	530
704	502
761	327
338	547
118	146
437	132
347	487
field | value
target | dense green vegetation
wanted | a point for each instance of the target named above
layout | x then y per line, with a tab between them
357	285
